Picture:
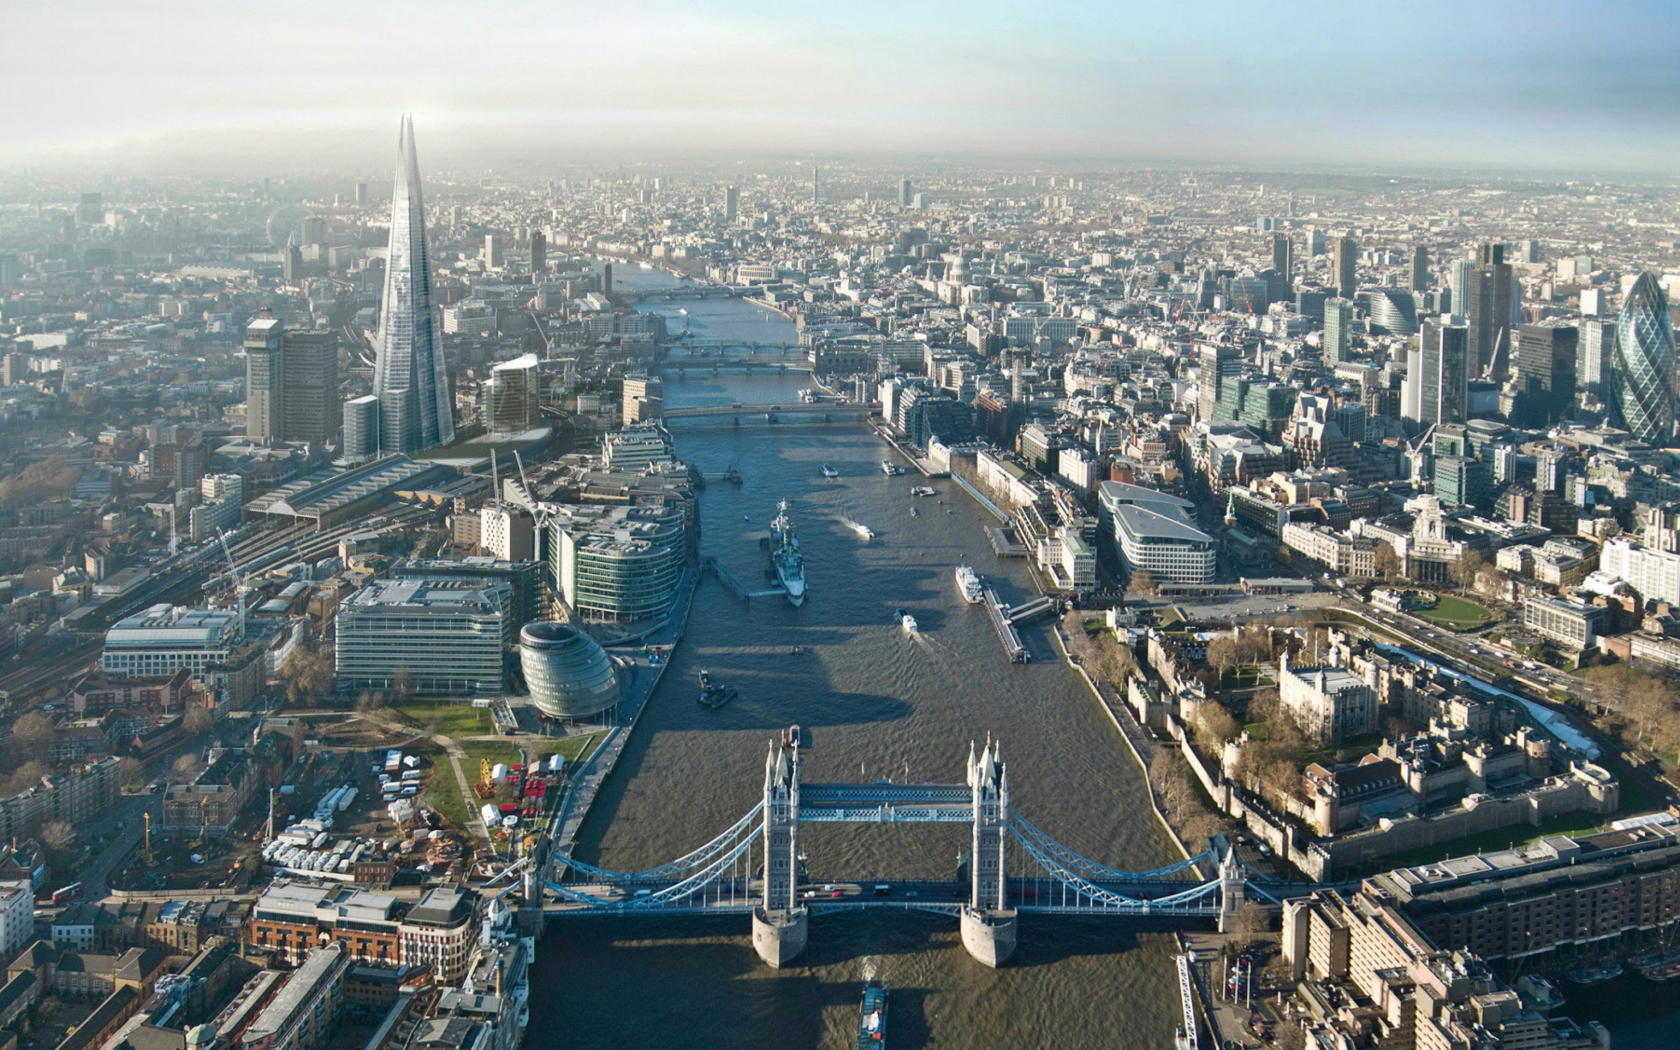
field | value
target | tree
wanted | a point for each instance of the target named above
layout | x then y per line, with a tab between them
131	772
1290	1036
1142	582
1253	922
1222	655
1465	568
56	835
186	767
1386	562
308	675
1263	706
370	700
1214	726
26	776
32	730
403	685
198	721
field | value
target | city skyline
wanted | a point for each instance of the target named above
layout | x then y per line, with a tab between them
1487	87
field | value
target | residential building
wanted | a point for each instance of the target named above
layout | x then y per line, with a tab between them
17	916
309	386
511	395
264	381
75	796
438	934
289	919
303	1014
1401	990
507	532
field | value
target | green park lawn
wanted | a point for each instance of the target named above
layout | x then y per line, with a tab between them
1455	613
452	718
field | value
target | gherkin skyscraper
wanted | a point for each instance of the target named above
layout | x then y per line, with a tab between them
1640	378
409	376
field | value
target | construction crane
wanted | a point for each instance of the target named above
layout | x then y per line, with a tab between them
241	583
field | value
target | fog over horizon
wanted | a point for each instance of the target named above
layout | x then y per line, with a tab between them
254	88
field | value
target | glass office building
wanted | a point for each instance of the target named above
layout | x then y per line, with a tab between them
409	376
1641	372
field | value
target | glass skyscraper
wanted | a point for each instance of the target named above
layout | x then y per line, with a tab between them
409	376
1640	376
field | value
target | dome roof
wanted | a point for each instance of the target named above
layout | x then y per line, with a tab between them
567	672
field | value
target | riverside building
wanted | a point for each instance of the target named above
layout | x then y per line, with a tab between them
1150	530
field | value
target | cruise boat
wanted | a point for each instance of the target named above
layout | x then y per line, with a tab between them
830	472
891	469
785	558
968	583
863	530
872	1018
906	621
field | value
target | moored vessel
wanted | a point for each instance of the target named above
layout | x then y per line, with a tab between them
872	1018
785	558
891	469
968	584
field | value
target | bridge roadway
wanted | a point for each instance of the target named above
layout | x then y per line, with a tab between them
886	803
738	896
797	408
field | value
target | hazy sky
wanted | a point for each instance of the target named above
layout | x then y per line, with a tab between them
1531	84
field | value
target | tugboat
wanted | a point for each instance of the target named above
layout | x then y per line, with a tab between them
872	1018
713	695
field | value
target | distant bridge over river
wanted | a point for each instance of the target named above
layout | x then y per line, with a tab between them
831	409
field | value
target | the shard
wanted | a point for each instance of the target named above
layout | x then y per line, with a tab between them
409	376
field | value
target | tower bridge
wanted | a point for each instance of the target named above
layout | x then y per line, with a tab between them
1012	867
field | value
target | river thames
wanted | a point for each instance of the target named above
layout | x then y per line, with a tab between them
874	702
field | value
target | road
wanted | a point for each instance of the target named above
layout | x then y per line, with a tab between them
126	818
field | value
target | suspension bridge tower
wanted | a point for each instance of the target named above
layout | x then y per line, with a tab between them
987	920
779	924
